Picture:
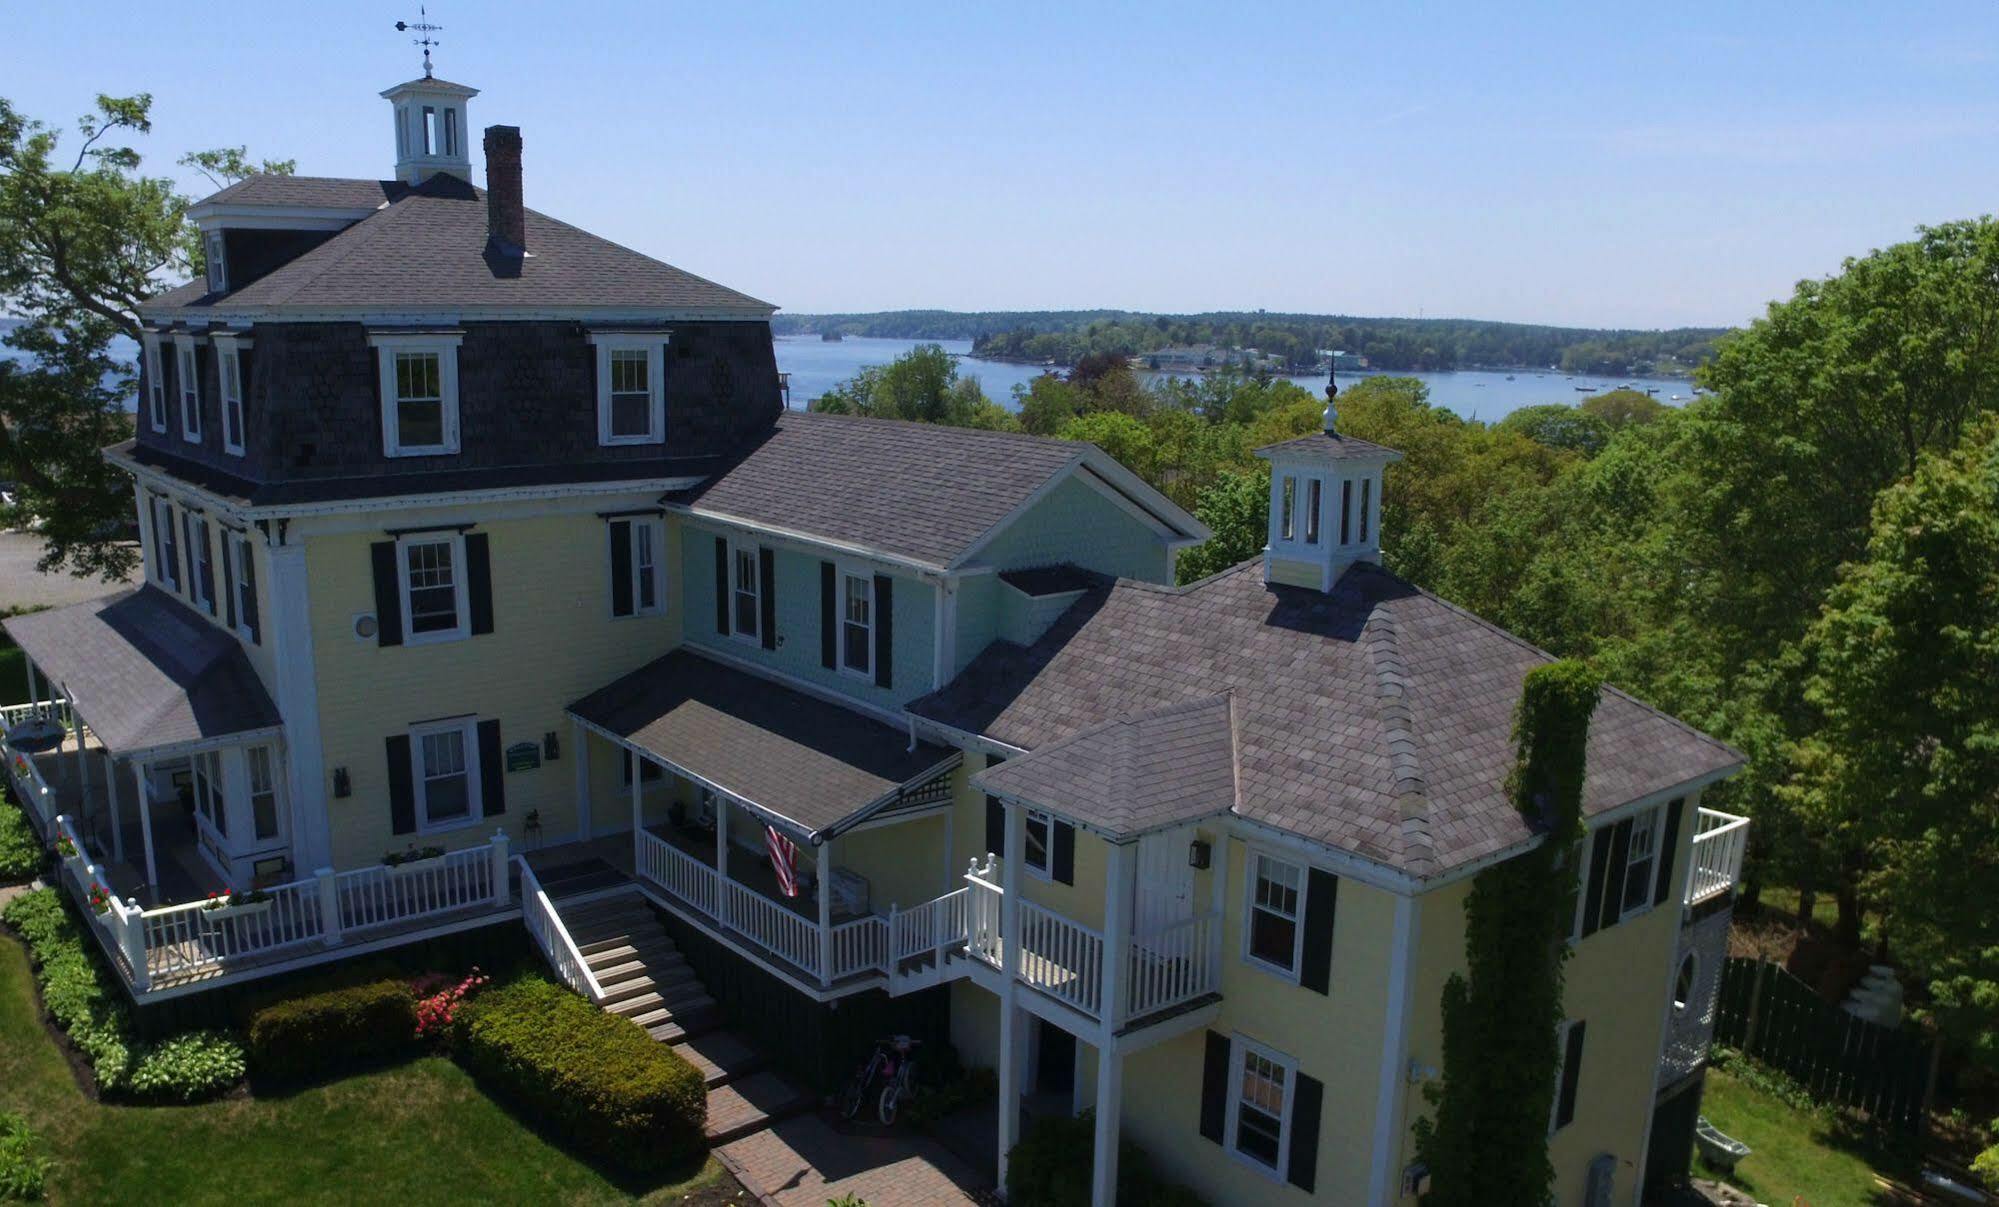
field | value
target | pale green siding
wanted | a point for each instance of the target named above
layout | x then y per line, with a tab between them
1075	523
798	627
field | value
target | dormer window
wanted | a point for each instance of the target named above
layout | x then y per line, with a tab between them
156	386
419	384
631	387
188	378
211	254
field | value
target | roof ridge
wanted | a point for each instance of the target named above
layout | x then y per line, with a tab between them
590	234
1405	747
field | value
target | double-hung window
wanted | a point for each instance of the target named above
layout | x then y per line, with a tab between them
200	565
631	393
645	566
156	386
434	595
246	587
635	568
1644	859
166	546
1039	832
419	384
266	819
745	593
188	376
229	373
445	774
213	262
1261	1090
1276	913
857	623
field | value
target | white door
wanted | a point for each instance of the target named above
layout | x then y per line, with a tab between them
1164	893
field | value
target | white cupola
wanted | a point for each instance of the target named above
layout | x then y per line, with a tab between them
431	129
1325	505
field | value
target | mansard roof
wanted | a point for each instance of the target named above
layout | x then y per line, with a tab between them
1377	718
424	248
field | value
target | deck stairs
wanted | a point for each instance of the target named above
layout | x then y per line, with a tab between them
645	978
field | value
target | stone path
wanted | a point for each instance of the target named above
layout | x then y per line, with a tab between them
803	1162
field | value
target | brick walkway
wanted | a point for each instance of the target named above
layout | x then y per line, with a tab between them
802	1162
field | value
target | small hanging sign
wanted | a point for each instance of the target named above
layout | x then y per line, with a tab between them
523	756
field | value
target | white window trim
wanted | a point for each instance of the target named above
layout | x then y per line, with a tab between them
474	788
164	517
1046	872
459	587
1644	905
865	672
243	551
1584	857
188	384
193	526
215	262
445	345
227	346
277	797
156	385
1561	1071
1304	516
653	344
638	528
751	636
1249	907
1238	1045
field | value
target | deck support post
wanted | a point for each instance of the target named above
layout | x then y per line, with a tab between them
1110	1092
111	798
146	830
579	741
825	892
1010	1024
132	940
502	891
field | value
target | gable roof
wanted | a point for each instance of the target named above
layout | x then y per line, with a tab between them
425	248
1133	775
924	492
1377	718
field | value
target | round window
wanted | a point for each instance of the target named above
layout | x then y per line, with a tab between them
365	626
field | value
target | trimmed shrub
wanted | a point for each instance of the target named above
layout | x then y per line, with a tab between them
1051	1165
188	1067
20	851
333	1029
597	1080
22	1162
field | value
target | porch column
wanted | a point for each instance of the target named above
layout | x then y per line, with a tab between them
579	740
111	795
722	860
83	762
34	691
1010	1037
74	724
1110	1093
825	889
146	829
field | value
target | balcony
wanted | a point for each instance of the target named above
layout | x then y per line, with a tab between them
1720	840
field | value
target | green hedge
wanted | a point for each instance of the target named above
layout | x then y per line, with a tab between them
596	1079
21	853
1051	1165
324	1032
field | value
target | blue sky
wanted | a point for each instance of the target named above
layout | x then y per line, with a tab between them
1586	164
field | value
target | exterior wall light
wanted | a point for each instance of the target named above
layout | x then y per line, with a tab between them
1199	853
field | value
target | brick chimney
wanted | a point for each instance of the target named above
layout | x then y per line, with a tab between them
506	220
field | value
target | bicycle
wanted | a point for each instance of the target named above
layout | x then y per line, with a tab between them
893	1061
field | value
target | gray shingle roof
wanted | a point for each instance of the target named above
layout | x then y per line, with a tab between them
143	673
427	249
917	490
1377	719
1133	775
1321	446
792	756
313	192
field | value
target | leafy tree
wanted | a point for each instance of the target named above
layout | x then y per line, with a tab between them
1124	437
1622	408
1046	403
920	385
1558	426
1237	510
84	239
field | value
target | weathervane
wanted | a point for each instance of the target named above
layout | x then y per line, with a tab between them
422	26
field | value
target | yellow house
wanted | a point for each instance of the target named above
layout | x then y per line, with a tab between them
491	582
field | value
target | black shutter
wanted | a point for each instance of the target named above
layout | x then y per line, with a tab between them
1304	1167
1215	1087
623	589
1613	875
1599	860
1062	861
995	827
884	630
152	537
1572	1071
228	580
248	572
829	623
492	784
388	594
479	581
721	586
1669	850
207	569
402	794
767	596
1322	894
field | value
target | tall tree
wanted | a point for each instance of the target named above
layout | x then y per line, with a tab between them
84	239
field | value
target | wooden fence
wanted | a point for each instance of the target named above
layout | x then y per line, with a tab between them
1884	1072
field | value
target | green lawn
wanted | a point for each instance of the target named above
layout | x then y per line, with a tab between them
418	1133
1795	1151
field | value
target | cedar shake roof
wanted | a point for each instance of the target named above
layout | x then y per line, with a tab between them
1327	446
1377	718
143	673
1134	775
797	759
917	490
426	249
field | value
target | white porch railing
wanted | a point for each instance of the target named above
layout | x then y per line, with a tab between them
30	788
1062	957
932	928
549	934
681	874
860	946
382	895
190	938
792	937
1720	839
1174	964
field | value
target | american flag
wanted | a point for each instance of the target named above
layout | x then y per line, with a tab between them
783	860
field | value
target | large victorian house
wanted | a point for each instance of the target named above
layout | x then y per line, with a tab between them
490	581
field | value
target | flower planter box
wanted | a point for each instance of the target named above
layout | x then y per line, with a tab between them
412	866
235	911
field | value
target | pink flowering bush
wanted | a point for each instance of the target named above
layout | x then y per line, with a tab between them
438	996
